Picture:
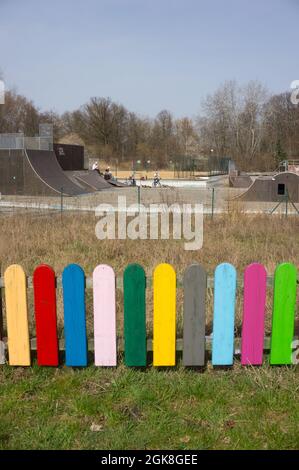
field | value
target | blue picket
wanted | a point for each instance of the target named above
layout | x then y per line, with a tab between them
225	283
73	282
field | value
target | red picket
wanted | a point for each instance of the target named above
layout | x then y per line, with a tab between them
45	315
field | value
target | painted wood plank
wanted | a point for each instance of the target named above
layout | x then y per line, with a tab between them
73	282
45	315
164	331
2	346
2	353
254	307
17	316
135	316
104	304
283	317
224	315
195	284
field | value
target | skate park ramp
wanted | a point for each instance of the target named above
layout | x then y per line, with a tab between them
102	183
46	167
116	183
89	179
217	180
240	181
273	188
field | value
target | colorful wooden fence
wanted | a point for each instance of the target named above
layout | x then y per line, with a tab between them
136	344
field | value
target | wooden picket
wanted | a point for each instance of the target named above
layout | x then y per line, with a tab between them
2	345
45	316
17	316
104	316
253	327
195	284
164	345
283	319
73	281
135	316
224	315
164	315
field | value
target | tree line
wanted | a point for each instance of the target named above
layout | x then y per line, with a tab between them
246	123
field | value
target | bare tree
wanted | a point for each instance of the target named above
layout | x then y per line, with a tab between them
244	123
250	121
281	126
232	121
18	115
187	137
100	123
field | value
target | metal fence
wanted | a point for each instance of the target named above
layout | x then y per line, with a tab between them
214	200
20	142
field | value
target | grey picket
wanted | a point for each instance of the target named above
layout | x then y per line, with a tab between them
195	285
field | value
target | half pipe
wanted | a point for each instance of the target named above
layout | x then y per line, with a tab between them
273	188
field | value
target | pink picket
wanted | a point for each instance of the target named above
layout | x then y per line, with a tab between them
255	285
104	316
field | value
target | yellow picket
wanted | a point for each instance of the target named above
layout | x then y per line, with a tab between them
164	332
17	316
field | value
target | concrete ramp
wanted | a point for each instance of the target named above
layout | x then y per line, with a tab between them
273	188
91	179
46	167
116	183
240	181
219	180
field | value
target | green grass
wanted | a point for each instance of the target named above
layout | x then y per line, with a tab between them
44	408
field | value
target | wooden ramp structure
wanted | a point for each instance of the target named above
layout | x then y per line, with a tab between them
273	188
27	172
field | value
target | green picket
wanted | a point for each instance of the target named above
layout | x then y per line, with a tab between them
134	316
283	318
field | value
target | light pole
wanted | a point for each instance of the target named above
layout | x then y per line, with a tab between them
212	152
148	162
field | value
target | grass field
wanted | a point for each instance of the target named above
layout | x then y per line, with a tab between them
153	409
128	409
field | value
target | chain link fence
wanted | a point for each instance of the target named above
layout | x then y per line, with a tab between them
20	142
214	200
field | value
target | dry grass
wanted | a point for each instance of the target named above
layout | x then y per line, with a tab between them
236	238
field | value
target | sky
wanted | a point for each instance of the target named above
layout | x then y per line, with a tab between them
148	55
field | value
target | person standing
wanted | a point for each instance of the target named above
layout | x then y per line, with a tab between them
95	166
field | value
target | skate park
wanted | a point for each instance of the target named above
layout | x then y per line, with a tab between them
36	172
280	187
30	167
